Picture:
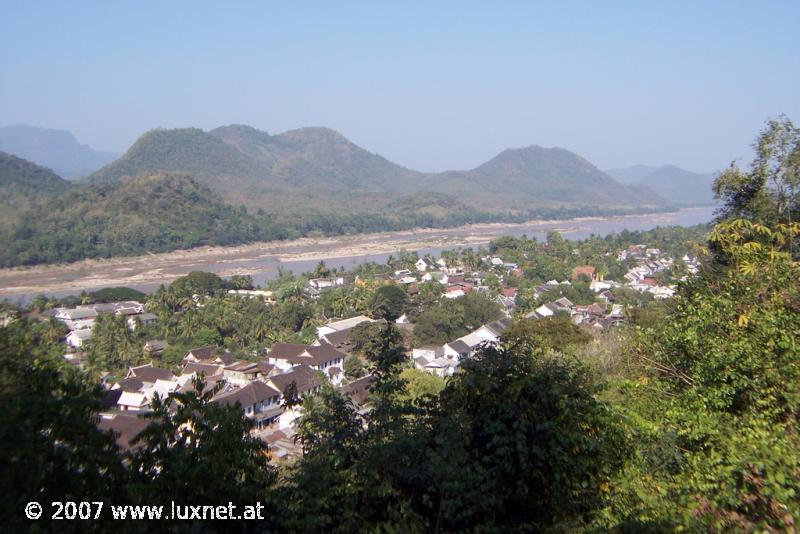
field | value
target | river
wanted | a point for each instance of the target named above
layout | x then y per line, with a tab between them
261	261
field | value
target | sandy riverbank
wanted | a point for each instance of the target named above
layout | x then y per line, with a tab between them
250	259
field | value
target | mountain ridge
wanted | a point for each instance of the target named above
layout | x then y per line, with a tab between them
251	166
58	150
679	186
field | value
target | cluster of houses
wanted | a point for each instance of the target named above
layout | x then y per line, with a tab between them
267	391
80	320
445	360
649	263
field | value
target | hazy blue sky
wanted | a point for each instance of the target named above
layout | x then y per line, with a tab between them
430	85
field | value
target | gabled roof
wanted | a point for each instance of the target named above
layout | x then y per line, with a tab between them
564	302
358	390
339	340
155	345
346	324
125	428
253	393
306	354
209	353
74	314
131	385
82	334
148	373
135	400
203	353
459	346
207	369
303	376
498	327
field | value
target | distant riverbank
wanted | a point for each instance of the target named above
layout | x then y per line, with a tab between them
261	260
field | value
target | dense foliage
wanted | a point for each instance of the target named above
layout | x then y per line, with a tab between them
155	213
24	185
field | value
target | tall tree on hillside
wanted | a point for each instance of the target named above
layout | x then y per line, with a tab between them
770	191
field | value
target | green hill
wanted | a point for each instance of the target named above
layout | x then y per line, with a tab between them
24	184
676	185
154	213
529	177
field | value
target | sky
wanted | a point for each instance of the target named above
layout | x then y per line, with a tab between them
430	85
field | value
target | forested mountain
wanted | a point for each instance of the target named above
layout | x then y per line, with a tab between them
250	166
56	149
546	176
676	185
317	157
157	212
24	184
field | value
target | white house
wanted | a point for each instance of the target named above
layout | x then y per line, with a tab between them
132	401
598	285
320	357
423	265
324	283
442	367
662	292
259	402
77	338
344	324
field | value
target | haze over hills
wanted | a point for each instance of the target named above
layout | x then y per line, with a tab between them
676	185
55	149
310	166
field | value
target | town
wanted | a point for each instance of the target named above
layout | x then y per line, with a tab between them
446	308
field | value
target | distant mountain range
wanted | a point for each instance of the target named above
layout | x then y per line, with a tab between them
676	185
55	149
319	168
185	187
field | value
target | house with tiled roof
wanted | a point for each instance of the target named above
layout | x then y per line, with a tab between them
259	402
320	357
244	371
208	354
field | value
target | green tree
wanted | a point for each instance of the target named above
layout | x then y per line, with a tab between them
516	417
240	281
714	412
388	302
197	283
420	385
198	451
113	345
353	367
50	447
770	191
